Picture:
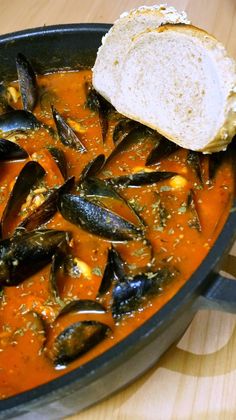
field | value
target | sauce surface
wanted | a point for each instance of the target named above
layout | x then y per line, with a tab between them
173	241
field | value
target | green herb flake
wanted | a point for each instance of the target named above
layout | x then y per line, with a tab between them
182	208
165	188
97	271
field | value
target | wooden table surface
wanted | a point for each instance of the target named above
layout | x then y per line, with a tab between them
200	382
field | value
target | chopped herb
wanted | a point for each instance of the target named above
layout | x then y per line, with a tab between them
182	208
165	188
97	271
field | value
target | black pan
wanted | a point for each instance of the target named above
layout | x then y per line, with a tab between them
72	47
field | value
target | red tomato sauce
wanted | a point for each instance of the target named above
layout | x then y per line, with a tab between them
176	242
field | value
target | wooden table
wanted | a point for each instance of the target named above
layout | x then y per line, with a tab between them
199	384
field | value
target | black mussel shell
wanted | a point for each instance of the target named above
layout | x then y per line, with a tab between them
76	340
83	306
96	219
93	167
215	161
66	134
43	213
129	294
58	262
194	222
60	159
31	173
98	188
27	82
97	103
11	151
95	187
163	149
140	178
135	136
194	161
114	270
122	128
18	121
24	254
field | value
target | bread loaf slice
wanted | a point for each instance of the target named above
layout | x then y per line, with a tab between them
118	40
178	80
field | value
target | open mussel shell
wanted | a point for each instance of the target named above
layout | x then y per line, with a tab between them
97	103
26	253
96	219
43	213
134	136
114	270
215	161
83	306
30	174
11	151
76	340
163	149
27	82
66	135
58	264
60	159
128	294
140	178
93	167
70	337
98	188
18	121
122	128
194	161
194	222
95	187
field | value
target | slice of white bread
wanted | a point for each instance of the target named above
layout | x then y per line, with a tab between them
178	80
116	43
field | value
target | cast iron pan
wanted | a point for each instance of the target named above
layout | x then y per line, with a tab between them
72	47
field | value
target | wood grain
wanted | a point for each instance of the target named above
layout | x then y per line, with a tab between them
196	379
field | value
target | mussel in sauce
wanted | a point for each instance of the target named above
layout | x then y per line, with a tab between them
96	219
26	253
81	248
71	336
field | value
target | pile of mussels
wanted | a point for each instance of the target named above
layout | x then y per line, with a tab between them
31	247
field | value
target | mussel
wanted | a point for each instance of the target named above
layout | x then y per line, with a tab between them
114	270
66	135
134	136
97	103
27	82
162	149
93	167
215	161
70	337
130	292
60	159
11	151
18	121
26	253
99	189
122	128
47	209
31	173
96	219
194	222
140	178
194	161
